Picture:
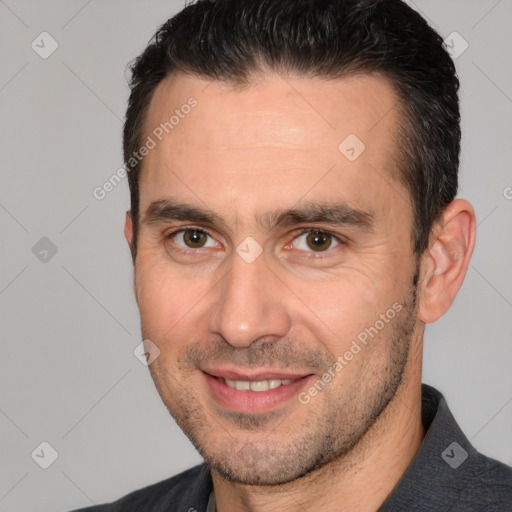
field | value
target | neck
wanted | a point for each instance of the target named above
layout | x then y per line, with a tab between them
357	482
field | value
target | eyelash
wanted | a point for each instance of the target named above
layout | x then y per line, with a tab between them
297	235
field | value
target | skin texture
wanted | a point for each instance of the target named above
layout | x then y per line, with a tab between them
245	154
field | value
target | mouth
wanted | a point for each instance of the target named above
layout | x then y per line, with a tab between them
259	392
256	385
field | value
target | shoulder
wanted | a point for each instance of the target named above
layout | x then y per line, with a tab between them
477	482
448	474
487	486
176	491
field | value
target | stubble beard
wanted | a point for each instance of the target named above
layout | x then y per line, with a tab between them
330	434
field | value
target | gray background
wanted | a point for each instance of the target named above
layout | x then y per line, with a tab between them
69	324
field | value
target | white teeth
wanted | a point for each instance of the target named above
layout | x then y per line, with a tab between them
257	385
260	385
241	385
275	383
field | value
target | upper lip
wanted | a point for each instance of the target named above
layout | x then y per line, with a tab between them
254	375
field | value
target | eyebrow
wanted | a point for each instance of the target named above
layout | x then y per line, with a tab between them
335	214
164	210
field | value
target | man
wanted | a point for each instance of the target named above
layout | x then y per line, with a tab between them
293	226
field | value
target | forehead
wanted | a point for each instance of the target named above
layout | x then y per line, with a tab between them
276	140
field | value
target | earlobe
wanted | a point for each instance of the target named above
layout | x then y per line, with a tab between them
445	263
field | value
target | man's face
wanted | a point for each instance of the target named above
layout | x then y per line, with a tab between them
218	309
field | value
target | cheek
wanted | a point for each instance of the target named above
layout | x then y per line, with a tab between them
337	311
161	299
171	303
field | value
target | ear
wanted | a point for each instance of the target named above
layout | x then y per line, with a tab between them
128	229
128	234
444	264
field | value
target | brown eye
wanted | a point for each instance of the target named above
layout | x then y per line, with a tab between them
315	241
318	241
192	238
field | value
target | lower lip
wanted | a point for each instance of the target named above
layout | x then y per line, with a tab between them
253	401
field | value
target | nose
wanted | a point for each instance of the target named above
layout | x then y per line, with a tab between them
250	304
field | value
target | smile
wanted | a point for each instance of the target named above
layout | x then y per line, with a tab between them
254	393
256	385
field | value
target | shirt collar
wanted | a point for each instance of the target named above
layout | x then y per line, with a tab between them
444	449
